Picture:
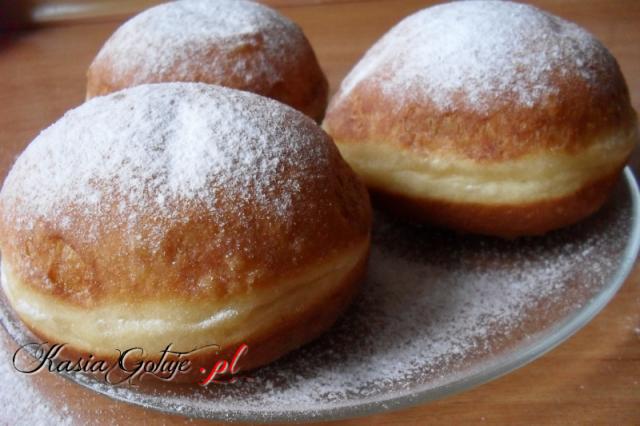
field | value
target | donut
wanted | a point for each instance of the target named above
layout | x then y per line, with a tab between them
185	214
233	43
486	117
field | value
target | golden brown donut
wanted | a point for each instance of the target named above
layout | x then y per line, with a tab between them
182	213
487	117
233	43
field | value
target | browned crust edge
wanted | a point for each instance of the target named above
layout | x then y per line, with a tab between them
292	331
309	96
502	220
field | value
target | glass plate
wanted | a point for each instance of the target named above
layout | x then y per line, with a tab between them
439	313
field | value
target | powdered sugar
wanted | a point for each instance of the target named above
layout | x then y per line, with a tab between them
482	54
23	404
178	38
140	154
435	308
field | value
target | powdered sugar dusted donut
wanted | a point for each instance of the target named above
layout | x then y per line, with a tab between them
233	43
486	116
182	213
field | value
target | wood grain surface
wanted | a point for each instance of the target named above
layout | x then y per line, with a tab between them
593	378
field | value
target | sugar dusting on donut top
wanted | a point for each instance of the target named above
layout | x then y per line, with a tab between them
150	153
176	37
483	54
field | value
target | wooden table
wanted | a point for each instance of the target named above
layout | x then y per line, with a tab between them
592	378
